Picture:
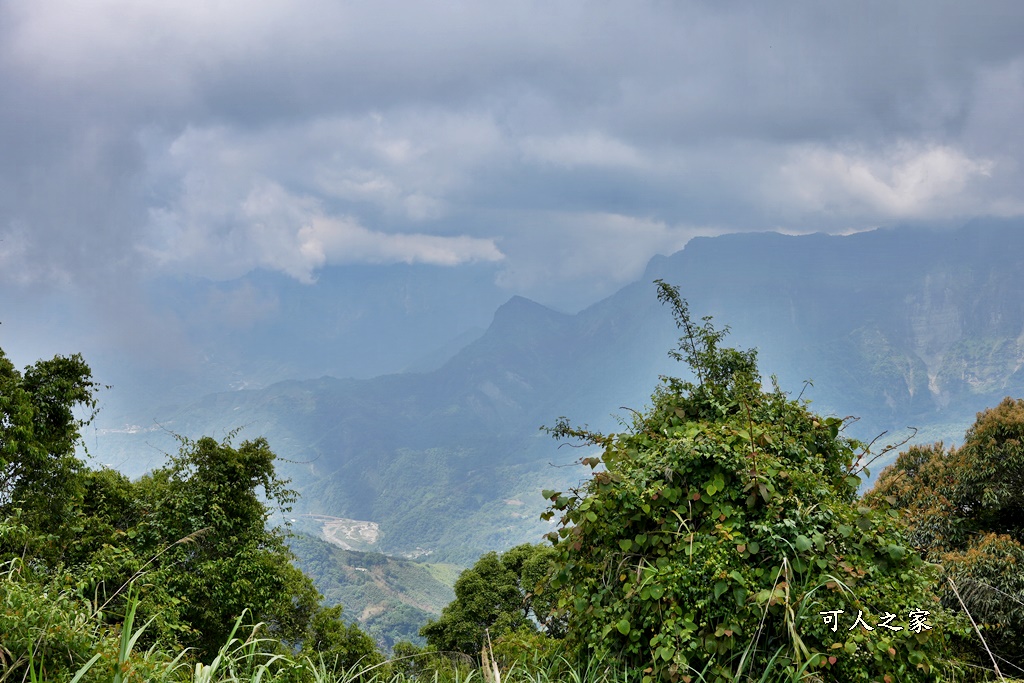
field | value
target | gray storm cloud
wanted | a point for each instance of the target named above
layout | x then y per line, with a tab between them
212	138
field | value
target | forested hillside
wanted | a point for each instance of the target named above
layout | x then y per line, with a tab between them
900	327
185	550
711	535
391	598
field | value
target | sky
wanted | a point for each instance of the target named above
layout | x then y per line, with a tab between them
563	143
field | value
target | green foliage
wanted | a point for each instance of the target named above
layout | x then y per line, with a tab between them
722	524
185	551
339	645
527	649
43	624
38	432
965	509
209	524
495	595
989	577
991	464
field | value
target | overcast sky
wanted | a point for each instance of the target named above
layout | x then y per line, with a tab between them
565	142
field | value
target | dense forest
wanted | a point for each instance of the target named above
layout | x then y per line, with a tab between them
720	537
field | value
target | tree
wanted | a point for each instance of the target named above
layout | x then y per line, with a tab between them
339	645
965	510
189	541
39	473
205	517
498	594
721	527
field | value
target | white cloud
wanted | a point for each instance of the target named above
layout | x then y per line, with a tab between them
582	256
375	126
278	230
342	240
906	181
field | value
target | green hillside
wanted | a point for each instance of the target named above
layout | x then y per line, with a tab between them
899	327
391	598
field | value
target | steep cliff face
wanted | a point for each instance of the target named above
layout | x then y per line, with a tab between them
959	320
898	324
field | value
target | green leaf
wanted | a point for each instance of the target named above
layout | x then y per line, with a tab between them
656	592
803	544
720	587
625	544
623	626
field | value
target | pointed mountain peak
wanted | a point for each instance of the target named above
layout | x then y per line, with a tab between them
519	307
519	314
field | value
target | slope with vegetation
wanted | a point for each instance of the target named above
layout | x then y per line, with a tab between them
720	537
391	598
900	326
184	550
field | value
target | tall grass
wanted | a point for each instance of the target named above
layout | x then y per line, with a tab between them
249	657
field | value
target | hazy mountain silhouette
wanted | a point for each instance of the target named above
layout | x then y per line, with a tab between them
899	326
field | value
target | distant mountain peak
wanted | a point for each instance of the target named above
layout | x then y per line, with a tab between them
519	310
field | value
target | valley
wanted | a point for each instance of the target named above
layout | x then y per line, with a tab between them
893	328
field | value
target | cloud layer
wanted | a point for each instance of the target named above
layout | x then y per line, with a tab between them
566	143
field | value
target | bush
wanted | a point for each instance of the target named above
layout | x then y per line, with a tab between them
724	523
500	595
964	508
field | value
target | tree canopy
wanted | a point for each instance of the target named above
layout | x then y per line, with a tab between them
38	434
499	595
964	508
721	530
186	547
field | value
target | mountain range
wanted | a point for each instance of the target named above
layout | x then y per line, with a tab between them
902	327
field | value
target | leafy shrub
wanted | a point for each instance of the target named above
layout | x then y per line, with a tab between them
499	594
721	527
43	625
964	508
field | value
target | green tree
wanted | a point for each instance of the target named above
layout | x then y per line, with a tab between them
206	520
965	510
191	539
498	594
340	646
723	523
39	473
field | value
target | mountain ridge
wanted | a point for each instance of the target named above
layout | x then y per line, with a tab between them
897	329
